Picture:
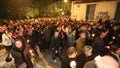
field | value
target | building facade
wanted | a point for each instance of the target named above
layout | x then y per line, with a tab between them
94	10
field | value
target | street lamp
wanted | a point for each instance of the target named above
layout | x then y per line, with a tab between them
62	5
65	1
62	13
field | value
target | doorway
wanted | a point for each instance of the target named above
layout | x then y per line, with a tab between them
90	11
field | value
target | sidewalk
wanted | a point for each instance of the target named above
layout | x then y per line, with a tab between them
4	64
44	60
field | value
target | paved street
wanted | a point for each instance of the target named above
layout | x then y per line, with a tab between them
45	61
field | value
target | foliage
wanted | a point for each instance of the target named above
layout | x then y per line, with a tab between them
20	9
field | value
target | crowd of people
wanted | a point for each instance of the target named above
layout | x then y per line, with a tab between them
69	40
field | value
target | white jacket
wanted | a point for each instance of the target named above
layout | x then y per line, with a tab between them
6	41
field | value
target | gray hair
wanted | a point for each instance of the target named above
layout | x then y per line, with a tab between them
87	48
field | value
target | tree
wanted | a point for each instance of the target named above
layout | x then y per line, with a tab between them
19	9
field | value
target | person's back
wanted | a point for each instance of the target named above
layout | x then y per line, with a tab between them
99	47
72	56
17	55
90	64
21	53
80	42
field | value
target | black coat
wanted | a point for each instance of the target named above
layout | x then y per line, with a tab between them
21	57
56	42
99	47
80	61
66	62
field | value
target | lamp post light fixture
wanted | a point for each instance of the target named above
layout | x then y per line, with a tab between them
62	13
65	1
62	7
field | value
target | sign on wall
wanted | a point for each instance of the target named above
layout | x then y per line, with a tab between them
103	15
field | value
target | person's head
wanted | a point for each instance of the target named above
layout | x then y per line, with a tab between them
74	32
83	28
7	31
115	27
106	62
56	33
115	48
102	33
82	35
87	50
59	28
102	62
90	64
71	52
100	27
19	44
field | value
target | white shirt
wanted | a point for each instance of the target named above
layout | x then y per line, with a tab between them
6	41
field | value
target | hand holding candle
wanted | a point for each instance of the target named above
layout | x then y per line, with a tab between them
31	53
113	37
98	57
73	64
93	35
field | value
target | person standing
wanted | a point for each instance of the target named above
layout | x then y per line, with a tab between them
99	47
74	60
21	54
7	40
72	39
56	46
80	43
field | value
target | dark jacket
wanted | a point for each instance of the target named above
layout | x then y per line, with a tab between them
80	61
21	55
56	42
99	47
66	62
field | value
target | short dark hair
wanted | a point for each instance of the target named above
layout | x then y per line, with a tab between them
100	31
114	47
90	64
56	30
